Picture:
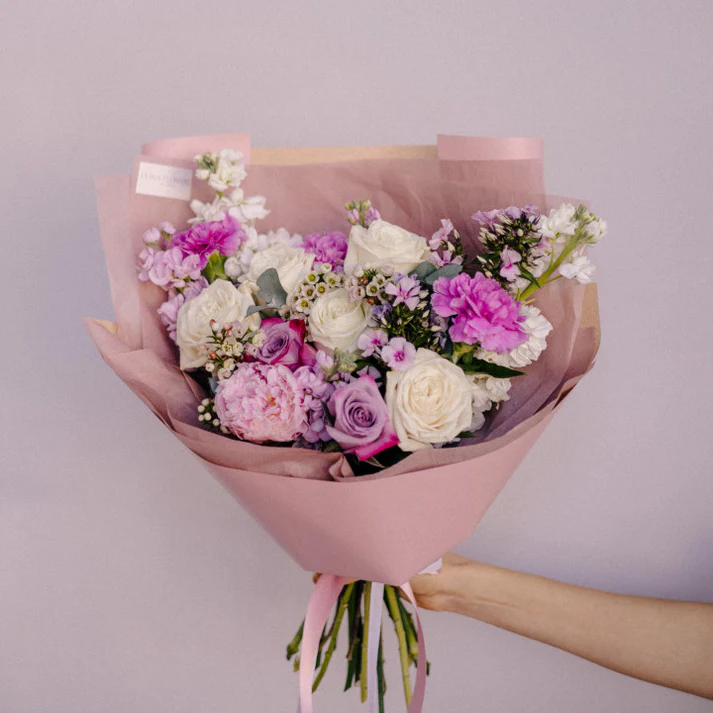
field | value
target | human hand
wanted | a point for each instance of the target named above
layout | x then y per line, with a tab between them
434	591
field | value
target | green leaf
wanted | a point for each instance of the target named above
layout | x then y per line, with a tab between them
214	269
271	291
423	270
480	366
450	270
529	276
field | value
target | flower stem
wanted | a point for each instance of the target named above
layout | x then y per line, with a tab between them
393	607
381	680
294	646
346	594
410	630
365	641
566	252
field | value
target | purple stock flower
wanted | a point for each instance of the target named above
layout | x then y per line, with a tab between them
324	361
484	312
371	215
168	311
380	311
406	290
398	354
509	269
441	235
284	343
202	239
361	421
316	392
327	247
490	217
168	268
371	340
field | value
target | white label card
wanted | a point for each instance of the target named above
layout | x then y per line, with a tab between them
155	179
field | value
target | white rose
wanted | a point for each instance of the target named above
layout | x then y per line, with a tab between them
336	322
537	327
292	265
431	402
220	301
384	244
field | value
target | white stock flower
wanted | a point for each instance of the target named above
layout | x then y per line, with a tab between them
577	267
233	267
220	301
560	222
229	172
208	212
429	403
292	265
497	389
537	328
487	390
595	230
383	243
248	210
336	322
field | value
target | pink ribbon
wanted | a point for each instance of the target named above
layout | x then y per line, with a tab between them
324	597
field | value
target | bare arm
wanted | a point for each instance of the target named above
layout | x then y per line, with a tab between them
657	640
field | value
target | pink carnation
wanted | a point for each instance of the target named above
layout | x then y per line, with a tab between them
262	403
225	236
483	312
327	247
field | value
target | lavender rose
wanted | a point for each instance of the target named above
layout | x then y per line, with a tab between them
284	343
361	421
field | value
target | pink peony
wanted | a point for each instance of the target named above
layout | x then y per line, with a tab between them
483	312
262	403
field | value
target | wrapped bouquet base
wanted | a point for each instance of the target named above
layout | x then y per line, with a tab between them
384	527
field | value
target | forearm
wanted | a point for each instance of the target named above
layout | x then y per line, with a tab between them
664	642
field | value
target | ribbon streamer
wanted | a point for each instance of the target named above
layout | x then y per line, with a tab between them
324	597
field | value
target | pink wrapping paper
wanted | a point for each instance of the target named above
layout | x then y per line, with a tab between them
388	526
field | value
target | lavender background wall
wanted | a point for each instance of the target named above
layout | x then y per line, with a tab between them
129	580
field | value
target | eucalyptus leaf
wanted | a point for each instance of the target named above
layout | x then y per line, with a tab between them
450	270
253	309
423	270
271	291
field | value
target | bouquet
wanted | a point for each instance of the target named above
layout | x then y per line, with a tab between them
399	339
